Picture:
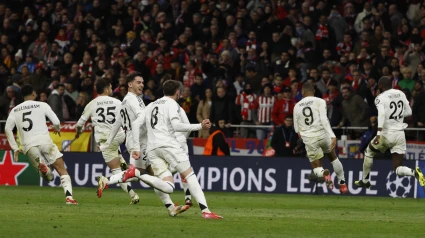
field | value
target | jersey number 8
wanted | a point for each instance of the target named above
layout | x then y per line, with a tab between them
154	117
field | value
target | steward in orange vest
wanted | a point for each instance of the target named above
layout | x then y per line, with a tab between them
216	143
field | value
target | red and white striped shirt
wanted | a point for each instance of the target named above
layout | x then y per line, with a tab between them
264	106
247	103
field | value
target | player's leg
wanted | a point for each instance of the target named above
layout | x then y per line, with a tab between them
53	157
398	142
37	161
315	154
336	164
370	152
187	195
112	159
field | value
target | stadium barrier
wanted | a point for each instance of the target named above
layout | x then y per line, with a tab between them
232	174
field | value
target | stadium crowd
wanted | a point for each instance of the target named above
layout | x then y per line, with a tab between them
241	62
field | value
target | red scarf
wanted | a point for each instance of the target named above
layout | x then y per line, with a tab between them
322	32
38	44
136	23
344	48
90	68
251	44
247	105
364	44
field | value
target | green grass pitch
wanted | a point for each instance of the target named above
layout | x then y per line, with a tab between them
41	212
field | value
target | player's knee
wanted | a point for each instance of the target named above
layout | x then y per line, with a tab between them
370	152
183	167
116	171
318	171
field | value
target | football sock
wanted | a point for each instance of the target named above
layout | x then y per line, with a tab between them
125	186
163	186
367	166
404	171
318	171
197	192
187	195
339	170
67	185
117	178
166	199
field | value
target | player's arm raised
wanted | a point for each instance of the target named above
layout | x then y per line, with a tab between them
10	124
173	111
49	113
381	118
325	122
84	117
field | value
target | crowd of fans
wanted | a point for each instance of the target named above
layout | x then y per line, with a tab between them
241	62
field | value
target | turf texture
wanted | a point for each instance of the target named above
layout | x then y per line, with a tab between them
41	212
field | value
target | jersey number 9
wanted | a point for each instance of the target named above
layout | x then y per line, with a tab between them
308	114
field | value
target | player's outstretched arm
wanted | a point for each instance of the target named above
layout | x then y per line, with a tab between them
49	113
83	119
10	124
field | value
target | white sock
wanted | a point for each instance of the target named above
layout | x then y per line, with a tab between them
197	192
125	186
339	170
318	171
166	199
187	195
404	171
66	185
155	182
117	178
367	167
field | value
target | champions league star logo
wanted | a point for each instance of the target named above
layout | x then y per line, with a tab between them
10	170
398	187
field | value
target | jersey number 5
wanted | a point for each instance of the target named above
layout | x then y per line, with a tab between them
308	114
100	112
24	119
154	117
395	106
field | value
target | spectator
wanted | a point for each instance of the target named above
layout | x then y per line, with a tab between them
418	110
9	100
323	83
245	103
189	104
43	96
82	101
39	79
285	138
407	82
57	103
369	134
333	101
414	56
283	107
355	112
222	109
263	111
204	110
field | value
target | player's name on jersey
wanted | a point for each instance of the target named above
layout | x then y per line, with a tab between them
159	102
394	96
105	103
26	107
303	104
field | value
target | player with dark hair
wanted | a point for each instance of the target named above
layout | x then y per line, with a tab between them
311	121
29	118
392	106
164	150
103	112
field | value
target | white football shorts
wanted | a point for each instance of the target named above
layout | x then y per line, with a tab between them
166	159
317	147
112	151
396	142
47	154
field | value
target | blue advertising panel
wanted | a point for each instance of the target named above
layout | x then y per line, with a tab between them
421	190
256	174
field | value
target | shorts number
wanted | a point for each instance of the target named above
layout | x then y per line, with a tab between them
24	119
100	112
126	118
308	113
395	106
154	117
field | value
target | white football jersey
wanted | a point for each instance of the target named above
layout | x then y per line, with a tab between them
103	111
310	118
163	121
133	107
29	118
392	107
